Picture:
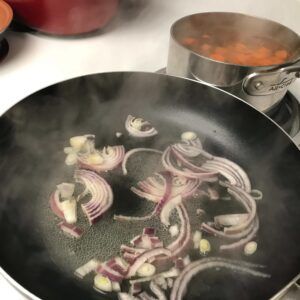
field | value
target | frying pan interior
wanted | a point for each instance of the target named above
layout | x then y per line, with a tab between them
32	137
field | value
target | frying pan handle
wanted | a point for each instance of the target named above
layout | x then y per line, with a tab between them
269	82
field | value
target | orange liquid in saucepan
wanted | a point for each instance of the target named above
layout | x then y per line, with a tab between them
254	51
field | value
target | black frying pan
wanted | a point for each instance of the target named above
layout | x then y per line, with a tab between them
34	132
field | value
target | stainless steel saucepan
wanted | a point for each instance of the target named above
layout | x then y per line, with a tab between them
261	86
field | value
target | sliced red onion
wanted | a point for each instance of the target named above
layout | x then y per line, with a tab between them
119	265
149	231
182	281
174	230
87	268
137	127
110	273
146	256
125	248
111	157
66	190
167	191
153	187
135	288
192	171
116	286
125	296
101	194
157	291
244	230
130	254
230	170
161	282
179	263
146	242
69	208
186	260
130	257
145	296
196	238
134	151
184	237
256	194
245	199
66	209
187	150
241	243
232	236
213	194
230	219
70	230
167	209
55	204
173	272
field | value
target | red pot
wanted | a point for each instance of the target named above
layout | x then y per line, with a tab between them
64	17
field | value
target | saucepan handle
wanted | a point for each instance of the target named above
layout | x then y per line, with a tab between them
269	82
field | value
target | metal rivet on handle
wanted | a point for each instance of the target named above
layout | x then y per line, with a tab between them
258	85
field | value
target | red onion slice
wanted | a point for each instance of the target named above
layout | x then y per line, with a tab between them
109	272
184	237
55	204
146	256
66	190
145	241
135	288
101	194
112	158
167	209
241	243
230	170
187	150
153	187
182	281
70	230
167	184
134	151
137	127
125	296
87	268
145	296
157	291
149	231
245	199
191	172
230	219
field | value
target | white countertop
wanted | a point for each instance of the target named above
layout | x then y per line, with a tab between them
139	44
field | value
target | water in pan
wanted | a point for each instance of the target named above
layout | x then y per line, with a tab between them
103	239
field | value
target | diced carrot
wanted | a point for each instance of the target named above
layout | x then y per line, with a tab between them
264	51
220	50
281	54
241	58
205	47
217	57
189	41
241	47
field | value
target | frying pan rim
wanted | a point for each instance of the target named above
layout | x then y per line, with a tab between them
156	74
5	274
